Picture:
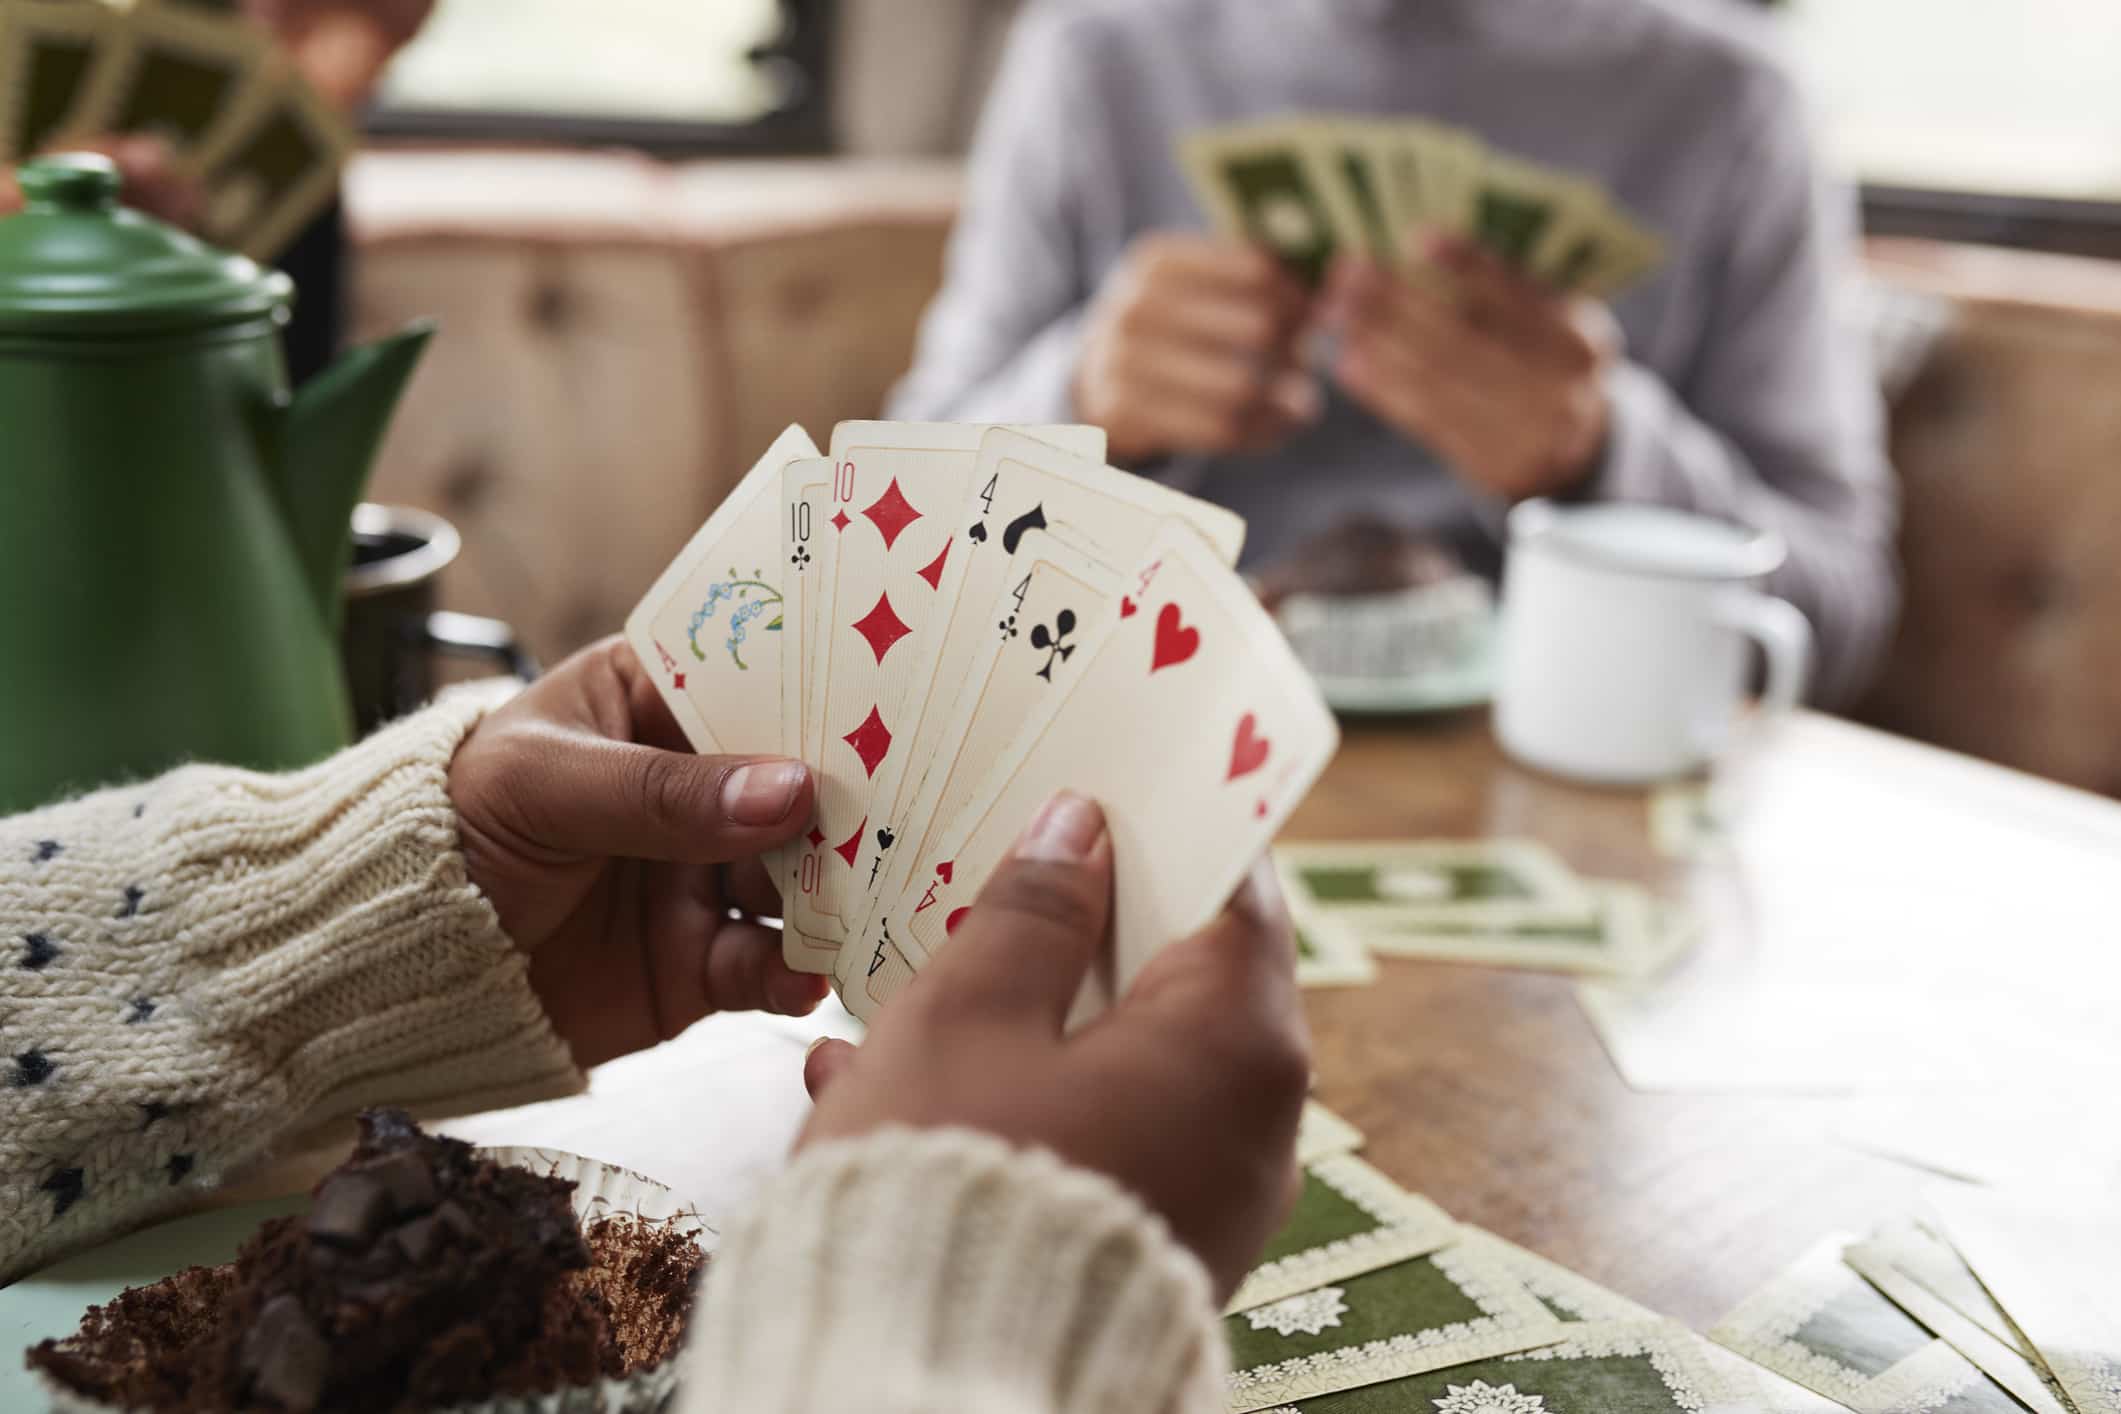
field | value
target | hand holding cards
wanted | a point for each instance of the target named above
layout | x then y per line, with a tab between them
1308	188
965	620
238	120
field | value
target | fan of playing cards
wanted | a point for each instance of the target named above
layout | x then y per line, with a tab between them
264	147
1307	187
950	622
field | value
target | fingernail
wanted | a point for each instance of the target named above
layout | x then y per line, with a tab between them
812	1049
761	793
1065	830
1300	393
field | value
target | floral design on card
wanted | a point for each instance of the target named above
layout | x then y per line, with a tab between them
749	598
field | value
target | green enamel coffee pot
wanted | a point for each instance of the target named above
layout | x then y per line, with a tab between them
173	524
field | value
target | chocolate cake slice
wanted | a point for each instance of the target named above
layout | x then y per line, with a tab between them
422	1276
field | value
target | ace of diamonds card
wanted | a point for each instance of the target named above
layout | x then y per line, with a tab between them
713	628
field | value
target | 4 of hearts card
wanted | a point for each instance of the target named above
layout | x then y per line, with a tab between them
1192	724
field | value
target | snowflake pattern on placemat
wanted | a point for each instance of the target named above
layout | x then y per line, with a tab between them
1480	1397
1309	1313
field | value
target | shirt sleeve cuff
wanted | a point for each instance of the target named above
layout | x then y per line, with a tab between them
1646	457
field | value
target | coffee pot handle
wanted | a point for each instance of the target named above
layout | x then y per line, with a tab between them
1784	635
488	640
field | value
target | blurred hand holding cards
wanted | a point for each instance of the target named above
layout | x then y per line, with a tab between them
1309	187
50	52
236	115
951	622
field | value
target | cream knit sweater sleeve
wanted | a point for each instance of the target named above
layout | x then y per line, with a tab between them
193	967
943	1272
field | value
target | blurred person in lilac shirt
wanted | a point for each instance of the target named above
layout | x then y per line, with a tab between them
1735	381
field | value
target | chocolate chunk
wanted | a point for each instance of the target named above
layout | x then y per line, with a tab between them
284	1357
381	1295
407	1177
418	1239
456	1220
351	1208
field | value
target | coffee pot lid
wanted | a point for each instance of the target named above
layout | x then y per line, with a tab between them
75	262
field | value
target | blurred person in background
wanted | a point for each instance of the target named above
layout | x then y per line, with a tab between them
1733	382
341	47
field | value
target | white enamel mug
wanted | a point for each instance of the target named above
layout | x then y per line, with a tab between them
1625	629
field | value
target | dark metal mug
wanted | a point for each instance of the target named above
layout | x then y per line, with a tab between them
393	632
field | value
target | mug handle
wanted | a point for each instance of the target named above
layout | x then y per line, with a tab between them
471	636
1784	635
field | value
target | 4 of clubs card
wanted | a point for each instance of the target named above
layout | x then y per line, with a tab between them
1041	630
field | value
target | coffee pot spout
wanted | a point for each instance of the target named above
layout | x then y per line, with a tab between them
330	437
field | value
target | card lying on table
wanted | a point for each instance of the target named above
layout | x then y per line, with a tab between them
2049	1259
1348	1219
1822	1325
1448	1308
951	622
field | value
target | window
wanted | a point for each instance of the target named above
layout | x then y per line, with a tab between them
1972	120
660	73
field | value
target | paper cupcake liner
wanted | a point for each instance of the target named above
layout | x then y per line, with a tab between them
1405	633
601	1191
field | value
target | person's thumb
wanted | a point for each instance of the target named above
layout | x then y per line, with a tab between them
1039	923
824	1063
590	796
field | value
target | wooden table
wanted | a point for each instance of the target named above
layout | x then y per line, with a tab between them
1485	1089
1488	1090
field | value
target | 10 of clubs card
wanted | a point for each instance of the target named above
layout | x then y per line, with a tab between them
1192	723
804	501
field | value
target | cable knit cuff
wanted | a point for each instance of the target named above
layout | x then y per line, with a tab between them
224	956
923	1271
